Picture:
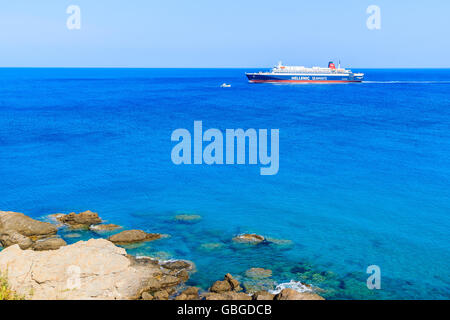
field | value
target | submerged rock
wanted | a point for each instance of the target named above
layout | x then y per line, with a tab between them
82	220
255	285
104	227
94	269
249	238
188	217
132	236
211	245
178	265
72	235
24	225
258	273
280	242
49	244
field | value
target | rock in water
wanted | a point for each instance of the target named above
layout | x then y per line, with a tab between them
249	238
26	226
72	235
9	238
132	236
49	244
94	269
230	295
255	285
178	265
291	294
220	286
211	245
81	220
263	295
105	227
235	286
258	273
226	285
188	217
190	293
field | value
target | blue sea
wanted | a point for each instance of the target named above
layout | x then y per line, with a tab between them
364	175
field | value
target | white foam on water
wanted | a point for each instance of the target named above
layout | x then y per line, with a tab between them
409	82
143	257
296	285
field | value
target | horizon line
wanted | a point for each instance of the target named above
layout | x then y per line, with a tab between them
123	67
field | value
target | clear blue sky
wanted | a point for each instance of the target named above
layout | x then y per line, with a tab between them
224	33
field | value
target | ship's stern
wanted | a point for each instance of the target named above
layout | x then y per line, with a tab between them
358	77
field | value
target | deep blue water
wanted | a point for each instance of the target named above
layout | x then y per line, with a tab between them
364	170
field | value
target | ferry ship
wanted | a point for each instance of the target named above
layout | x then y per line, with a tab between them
297	74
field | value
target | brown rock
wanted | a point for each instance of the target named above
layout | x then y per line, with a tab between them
162	281
9	238
220	286
183	275
147	296
49	244
249	238
132	236
228	284
231	295
143	261
190	293
177	265
86	218
291	294
263	295
78	226
161	295
26	226
233	282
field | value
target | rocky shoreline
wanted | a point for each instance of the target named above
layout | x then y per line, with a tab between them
40	265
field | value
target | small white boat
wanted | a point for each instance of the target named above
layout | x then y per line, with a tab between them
224	85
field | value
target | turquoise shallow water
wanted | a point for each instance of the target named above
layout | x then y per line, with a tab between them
363	180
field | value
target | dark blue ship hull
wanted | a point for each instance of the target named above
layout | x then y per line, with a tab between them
258	77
